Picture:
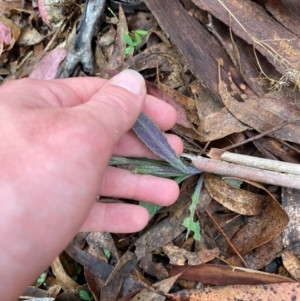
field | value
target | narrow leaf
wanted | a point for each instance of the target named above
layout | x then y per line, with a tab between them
127	39
154	138
137	38
160	171
128	50
152	208
141	32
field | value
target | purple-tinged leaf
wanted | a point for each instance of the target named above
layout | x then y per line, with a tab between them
154	138
47	67
182	118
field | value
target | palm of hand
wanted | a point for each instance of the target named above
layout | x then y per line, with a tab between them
57	139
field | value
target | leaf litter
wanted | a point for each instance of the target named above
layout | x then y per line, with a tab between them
242	240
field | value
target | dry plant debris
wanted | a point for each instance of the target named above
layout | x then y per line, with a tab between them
231	70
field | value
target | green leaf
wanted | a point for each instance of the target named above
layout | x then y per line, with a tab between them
127	39
137	38
141	32
42	278
152	208
160	171
128	50
84	295
107	253
181	178
189	222
192	226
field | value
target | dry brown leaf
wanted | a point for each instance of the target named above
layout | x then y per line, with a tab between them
9	34
261	228
117	58
150	58
5	6
155	269
219	125
187	103
62	277
151	295
261	256
237	200
291	263
274	292
165	230
181	113
225	275
54	11
180	256
114	283
264	114
101	241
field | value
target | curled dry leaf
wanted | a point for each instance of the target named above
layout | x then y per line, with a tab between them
180	256
9	34
62	277
292	264
29	36
237	200
5	36
53	11
187	103
155	294
182	118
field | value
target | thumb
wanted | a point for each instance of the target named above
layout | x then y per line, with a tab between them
117	105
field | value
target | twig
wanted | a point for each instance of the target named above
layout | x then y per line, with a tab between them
80	51
262	163
227	239
245	172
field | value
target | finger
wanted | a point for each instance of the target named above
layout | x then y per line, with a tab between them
121	183
131	146
113	110
163	114
116	218
55	93
75	91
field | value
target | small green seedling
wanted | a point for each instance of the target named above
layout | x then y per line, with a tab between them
86	296
107	253
133	39
42	278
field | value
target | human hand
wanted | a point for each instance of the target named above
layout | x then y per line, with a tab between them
56	140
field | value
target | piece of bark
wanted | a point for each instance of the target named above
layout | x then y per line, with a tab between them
246	18
200	50
286	12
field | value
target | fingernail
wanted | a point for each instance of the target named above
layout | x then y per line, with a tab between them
129	80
